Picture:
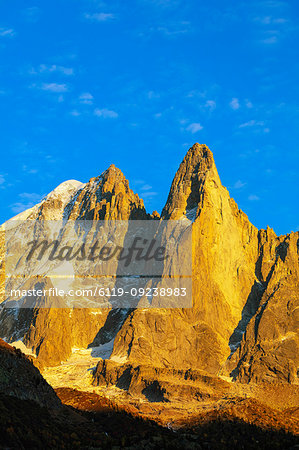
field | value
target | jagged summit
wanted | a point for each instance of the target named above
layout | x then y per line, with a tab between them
112	172
114	176
199	150
186	192
107	196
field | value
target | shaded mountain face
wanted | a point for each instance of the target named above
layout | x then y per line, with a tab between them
270	346
21	379
244	320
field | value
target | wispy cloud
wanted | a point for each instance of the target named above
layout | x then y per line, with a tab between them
152	95
269	20
270	40
171	29
210	105
253	198
138	182
75	113
54	87
2	179
46	69
86	98
252	123
7	32
99	17
27	200
106	113
163	3
239	184
235	104
149	194
32	14
194	127
196	94
146	187
276	22
28	169
30	196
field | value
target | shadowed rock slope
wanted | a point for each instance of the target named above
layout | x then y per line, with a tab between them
21	379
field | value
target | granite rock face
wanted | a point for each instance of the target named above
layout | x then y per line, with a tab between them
269	349
51	333
107	197
225	249
244	320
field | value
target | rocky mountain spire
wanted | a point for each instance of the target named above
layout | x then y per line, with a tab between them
197	169
224	254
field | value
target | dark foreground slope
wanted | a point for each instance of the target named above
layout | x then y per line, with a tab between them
32	417
26	425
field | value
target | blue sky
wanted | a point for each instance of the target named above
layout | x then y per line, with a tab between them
84	84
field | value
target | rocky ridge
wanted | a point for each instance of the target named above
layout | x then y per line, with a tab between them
244	319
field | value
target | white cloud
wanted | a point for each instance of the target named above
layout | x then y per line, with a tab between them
235	104
30	196
253	198
86	98
276	24
105	113
99	17
239	184
249	104
19	207
163	3
280	20
269	20
152	95
7	32
28	170
2	179
27	200
149	194
270	40
32	14
138	182
252	123
54	87
194	127
172	29
211	105
75	113
146	187
43	68
196	93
